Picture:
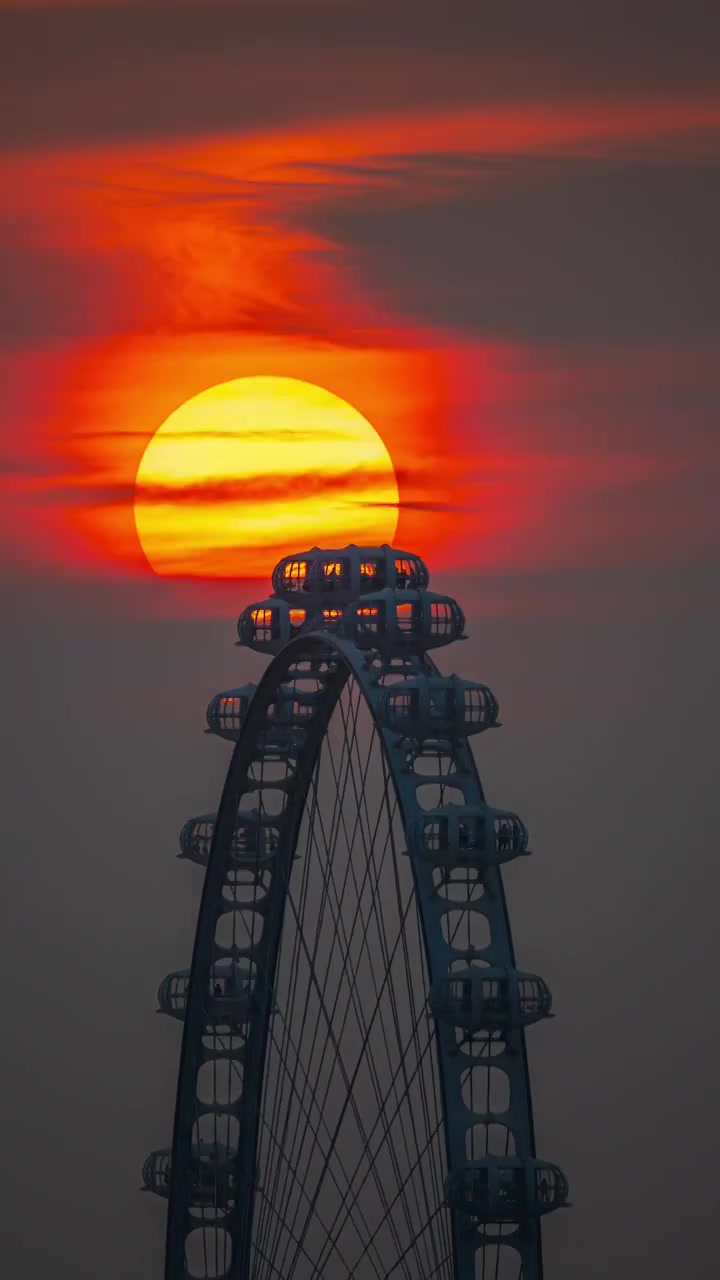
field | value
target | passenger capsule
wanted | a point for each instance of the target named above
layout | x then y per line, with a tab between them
228	995
490	999
321	576
468	836
506	1189
227	711
397	620
268	625
254	842
438	707
212	1175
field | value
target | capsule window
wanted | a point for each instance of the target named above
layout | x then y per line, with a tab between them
255	839
471	834
368	619
262	623
201	838
335	575
506	834
405	618
474	706
529	996
404	573
460	990
403	704
295	575
549	1187
435	834
158	1169
297	618
440	704
331	618
511	1186
372	575
245	839
494	991
230	711
441	618
179	990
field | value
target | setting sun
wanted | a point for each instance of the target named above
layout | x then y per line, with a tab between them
247	470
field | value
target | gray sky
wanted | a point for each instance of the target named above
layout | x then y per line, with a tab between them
595	272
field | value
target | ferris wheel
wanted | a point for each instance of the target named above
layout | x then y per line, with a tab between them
353	1096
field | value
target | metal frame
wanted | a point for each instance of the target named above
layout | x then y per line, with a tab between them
343	659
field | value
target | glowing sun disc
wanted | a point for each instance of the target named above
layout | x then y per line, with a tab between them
251	469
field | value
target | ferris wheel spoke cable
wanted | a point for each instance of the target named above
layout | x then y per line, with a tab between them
347	1079
277	1213
377	909
365	1154
426	1223
412	1004
330	958
348	1099
314	1096
429	1274
273	1173
311	1050
375	900
352	1209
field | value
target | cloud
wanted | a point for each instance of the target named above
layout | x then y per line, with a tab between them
468	215
527	219
569	249
109	71
408	504
270	487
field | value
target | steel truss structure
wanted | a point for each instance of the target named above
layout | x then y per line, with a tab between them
353	1095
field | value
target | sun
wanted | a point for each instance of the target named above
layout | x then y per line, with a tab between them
251	469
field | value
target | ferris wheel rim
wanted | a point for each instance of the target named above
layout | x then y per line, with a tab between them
348	661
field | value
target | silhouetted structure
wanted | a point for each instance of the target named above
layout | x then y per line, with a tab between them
353	1097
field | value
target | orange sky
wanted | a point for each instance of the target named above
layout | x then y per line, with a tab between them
188	261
